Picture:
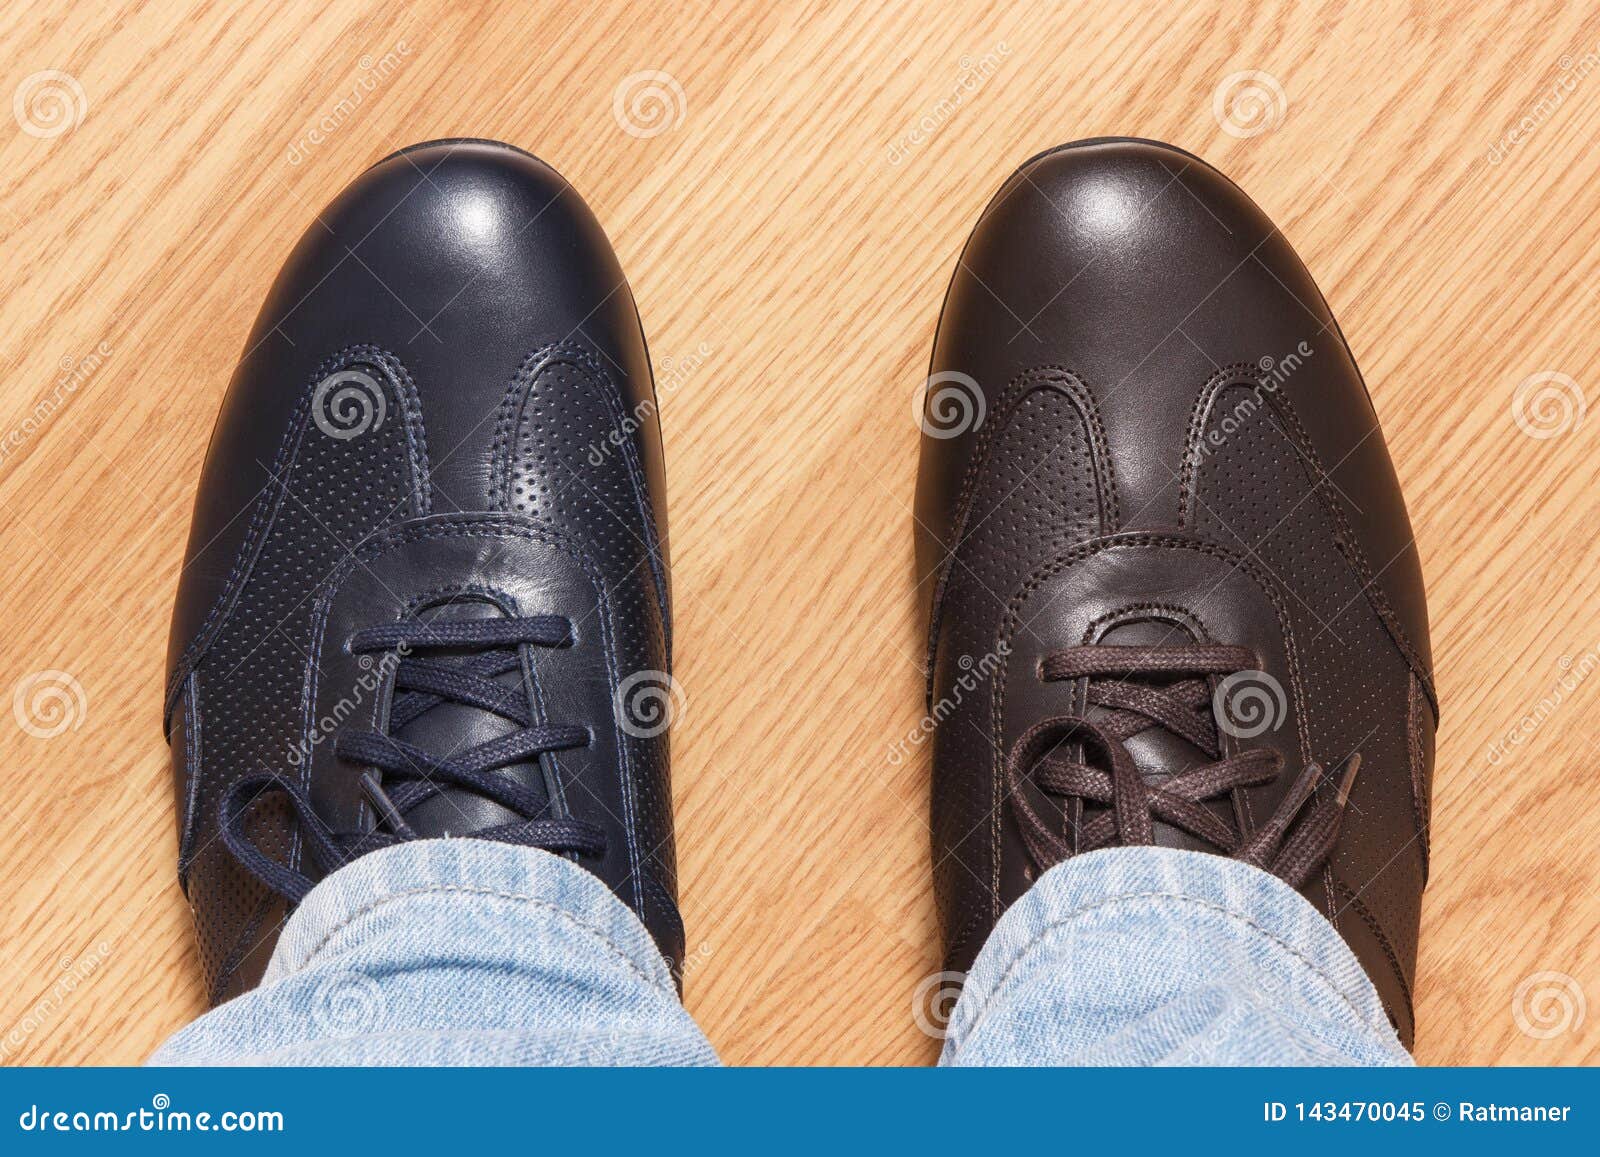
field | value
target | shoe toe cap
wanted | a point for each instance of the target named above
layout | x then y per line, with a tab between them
450	262
1151	279
468	244
1103	252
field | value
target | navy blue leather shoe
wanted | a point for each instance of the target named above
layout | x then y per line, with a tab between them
426	590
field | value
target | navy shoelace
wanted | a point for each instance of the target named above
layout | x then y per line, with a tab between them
1293	842
402	775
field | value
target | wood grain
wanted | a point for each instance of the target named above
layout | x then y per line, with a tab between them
789	236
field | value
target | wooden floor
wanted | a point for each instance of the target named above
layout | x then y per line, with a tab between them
788	192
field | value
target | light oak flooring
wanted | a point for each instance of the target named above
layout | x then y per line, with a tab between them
789	232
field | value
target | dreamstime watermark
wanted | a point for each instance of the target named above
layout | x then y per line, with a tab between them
948	404
1273	373
974	673
1249	703
672	373
1574	673
348	403
1548	404
373	676
346	1003
1573	70
373	74
974	73
160	1117
49	103
649	103
647	703
72	975
1548	1004
934	1000
1249	103
75	371
49	703
694	961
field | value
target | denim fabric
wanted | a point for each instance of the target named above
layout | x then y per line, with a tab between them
1151	956
455	952
471	952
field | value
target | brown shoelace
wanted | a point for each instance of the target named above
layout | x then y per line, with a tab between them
1169	687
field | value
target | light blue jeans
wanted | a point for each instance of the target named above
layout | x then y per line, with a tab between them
465	952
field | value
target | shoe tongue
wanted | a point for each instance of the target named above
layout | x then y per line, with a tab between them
451	730
1157	752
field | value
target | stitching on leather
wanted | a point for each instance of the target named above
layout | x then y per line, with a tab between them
1016	392
1079	554
1143	608
973	929
1327	893
1353	901
246	942
267	502
1345	538
1104	479
1419	790
492	525
600	383
423	598
1036	941
1242	373
191	771
605	938
1233	372
416	431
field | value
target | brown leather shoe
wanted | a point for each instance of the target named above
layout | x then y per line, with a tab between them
1173	593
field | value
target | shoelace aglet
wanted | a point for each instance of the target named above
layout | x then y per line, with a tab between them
384	806
1351	765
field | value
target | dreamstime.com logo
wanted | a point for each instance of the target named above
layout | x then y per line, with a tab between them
1574	673
973	75
948	404
1249	103
373	676
1548	1004
74	973
1548	404
374	71
670	374
347	1003
49	103
1249	703
649	103
348	403
694	961
49	703
160	1117
647	703
75	371
974	673
1273	372
1573	71
934	1000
